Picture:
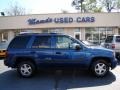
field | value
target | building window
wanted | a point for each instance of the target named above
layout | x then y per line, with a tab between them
77	33
17	32
4	37
97	35
54	30
119	31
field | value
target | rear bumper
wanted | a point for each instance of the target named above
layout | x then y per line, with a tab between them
8	63
5	62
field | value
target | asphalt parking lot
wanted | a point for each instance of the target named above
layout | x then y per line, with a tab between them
59	80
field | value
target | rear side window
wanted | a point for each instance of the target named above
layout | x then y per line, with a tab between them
19	42
117	38
109	39
42	42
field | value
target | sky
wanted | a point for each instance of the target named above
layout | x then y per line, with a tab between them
39	6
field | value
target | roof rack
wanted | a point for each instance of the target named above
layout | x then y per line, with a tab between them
37	33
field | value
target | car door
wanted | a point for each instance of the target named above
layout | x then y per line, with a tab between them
41	49
65	54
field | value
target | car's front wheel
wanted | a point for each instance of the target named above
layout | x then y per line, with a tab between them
100	68
26	69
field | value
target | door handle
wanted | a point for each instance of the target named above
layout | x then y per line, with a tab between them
58	53
48	59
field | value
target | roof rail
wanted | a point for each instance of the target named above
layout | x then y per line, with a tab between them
37	33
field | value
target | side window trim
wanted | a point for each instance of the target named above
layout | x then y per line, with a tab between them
53	42
31	42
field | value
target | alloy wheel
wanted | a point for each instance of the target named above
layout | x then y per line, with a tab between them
100	68
26	69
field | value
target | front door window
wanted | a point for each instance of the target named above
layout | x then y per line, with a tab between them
63	42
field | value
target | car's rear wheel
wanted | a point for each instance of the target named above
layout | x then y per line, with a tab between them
100	68
26	69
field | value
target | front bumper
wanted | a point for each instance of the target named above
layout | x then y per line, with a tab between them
114	64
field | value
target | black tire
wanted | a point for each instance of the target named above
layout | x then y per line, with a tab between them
100	68
26	69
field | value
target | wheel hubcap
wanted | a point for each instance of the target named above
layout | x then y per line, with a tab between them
26	70
100	68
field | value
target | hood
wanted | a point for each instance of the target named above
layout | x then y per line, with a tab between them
100	48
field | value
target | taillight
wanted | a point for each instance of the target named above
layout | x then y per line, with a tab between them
113	46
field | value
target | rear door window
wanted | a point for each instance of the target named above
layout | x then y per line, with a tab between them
19	42
117	38
109	39
42	42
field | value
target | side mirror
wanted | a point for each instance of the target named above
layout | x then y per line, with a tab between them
76	46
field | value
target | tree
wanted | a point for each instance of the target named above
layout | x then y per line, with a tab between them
118	5
110	5
91	6
78	4
86	5
15	10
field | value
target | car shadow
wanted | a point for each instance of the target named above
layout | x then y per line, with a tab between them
52	80
84	79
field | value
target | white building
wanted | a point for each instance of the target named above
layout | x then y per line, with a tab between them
94	27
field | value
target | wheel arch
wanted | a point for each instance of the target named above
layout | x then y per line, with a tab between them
21	59
100	58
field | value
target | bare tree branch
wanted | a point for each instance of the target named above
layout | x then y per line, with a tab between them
15	10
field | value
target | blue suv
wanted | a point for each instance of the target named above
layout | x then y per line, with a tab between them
30	52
